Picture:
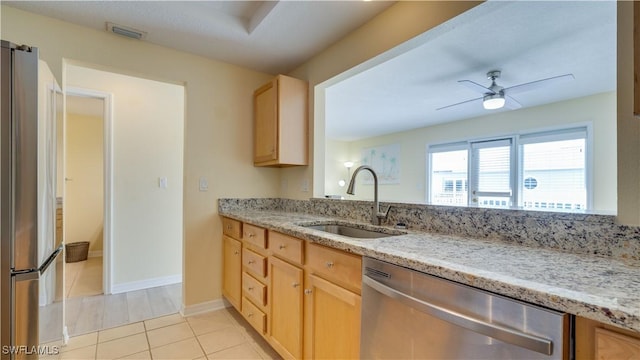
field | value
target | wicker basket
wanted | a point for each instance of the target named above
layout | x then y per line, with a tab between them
77	251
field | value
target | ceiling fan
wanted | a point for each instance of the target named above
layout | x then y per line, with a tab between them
496	96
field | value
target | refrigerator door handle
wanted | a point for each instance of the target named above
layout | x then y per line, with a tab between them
50	260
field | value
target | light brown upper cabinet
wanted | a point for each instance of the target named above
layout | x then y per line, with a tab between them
280	123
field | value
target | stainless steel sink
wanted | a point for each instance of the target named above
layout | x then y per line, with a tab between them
353	232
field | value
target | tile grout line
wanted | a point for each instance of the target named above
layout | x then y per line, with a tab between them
146	335
196	337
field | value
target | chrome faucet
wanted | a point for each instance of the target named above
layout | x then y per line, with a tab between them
376	214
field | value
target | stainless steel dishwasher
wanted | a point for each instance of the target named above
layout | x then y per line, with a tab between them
407	314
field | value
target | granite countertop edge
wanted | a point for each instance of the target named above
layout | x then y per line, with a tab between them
597	288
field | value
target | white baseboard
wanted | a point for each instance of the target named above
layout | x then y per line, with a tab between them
146	284
97	253
203	307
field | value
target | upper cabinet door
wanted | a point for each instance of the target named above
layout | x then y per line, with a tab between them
266	125
281	135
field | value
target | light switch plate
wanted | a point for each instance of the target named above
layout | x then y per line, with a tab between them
163	183
203	184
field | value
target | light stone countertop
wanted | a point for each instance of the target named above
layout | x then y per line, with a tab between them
597	288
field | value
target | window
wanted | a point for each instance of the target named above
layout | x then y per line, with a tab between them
549	171
491	173
449	174
553	170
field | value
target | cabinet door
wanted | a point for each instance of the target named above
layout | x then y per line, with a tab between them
231	281
332	321
611	345
285	293
266	123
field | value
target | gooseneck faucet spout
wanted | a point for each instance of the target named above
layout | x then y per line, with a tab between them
376	214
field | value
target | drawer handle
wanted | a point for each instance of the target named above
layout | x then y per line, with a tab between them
251	262
295	285
236	252
308	291
329	264
250	288
251	235
229	227
250	315
282	246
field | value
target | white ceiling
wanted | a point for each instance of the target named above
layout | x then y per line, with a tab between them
527	41
268	36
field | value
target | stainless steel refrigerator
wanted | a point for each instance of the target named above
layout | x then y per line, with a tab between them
31	261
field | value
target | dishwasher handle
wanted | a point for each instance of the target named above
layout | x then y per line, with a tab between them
499	332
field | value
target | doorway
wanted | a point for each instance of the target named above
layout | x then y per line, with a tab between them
143	147
84	194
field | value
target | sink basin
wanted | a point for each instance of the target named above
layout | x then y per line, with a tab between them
353	232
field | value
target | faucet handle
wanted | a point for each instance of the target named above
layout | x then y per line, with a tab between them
384	214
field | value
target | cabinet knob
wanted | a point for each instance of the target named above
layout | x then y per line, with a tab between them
308	291
329	264
282	246
251	262
236	252
295	285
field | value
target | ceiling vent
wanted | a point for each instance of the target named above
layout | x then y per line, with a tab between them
126	31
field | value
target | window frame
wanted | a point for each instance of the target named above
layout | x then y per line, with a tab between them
509	141
518	139
445	147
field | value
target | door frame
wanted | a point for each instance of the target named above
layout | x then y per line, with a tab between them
107	236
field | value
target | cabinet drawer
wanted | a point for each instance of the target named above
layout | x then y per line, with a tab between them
254	262
254	289
232	228
286	247
255	235
254	316
335	265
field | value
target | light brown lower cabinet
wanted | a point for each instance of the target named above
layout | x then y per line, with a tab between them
303	298
232	262
286	308
595	340
332	321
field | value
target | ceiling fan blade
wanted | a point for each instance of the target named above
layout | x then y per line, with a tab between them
475	87
511	103
538	84
460	103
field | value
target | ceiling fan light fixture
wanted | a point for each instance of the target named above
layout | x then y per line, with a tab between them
493	101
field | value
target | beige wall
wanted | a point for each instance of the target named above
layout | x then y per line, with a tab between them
597	110
398	24
147	130
401	23
83	211
219	112
217	126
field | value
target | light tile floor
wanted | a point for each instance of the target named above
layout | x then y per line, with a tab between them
221	334
83	278
92	313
